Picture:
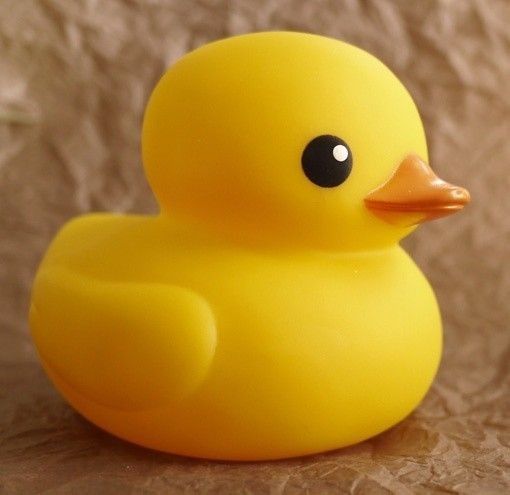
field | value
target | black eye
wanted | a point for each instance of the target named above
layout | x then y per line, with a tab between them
327	161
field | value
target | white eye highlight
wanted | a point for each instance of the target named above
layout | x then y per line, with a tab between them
340	152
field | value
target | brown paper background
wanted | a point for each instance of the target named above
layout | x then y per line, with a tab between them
74	78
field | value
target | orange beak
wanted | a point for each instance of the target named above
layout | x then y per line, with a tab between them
414	194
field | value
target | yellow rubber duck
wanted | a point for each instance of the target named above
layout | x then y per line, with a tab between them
268	310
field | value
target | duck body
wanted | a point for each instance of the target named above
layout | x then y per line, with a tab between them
301	351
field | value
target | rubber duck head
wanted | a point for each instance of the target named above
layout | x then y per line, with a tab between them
291	138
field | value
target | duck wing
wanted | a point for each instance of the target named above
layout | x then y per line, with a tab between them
124	345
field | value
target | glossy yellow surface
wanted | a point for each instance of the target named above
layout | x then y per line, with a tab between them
259	316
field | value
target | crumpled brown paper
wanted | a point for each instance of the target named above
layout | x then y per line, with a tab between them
74	78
